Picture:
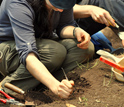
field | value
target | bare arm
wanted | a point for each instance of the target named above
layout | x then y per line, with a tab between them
40	72
35	67
98	14
82	36
81	11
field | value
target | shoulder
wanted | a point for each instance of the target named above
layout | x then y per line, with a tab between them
19	3
20	6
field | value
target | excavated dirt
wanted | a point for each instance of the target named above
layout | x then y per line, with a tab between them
95	86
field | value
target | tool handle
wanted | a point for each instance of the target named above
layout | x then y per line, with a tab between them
111	63
6	95
108	55
14	88
116	25
3	100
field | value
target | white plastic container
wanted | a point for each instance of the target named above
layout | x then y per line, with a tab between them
118	76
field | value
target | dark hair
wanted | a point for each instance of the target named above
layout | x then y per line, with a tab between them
1	1
42	24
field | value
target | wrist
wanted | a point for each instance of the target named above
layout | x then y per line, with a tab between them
54	87
74	31
90	10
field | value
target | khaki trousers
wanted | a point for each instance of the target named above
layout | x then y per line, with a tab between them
53	54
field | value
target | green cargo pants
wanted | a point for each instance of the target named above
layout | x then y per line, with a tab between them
53	54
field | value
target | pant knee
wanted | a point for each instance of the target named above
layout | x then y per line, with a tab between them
88	53
52	54
91	50
58	56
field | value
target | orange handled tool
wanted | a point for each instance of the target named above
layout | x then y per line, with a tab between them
112	63
9	99
116	25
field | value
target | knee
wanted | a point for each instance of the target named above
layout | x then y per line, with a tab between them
59	55
91	50
89	53
52	54
83	55
57	58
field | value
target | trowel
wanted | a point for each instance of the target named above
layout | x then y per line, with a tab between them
109	55
117	61
112	63
19	91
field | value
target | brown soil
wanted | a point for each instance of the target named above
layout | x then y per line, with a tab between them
95	85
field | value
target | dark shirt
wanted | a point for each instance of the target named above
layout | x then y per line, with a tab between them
16	23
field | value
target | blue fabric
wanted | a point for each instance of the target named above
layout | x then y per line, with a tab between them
16	23
101	36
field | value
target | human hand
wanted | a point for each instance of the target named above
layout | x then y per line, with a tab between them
102	16
65	88
83	37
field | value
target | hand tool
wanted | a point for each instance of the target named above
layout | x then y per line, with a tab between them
14	88
116	25
67	79
120	33
19	91
112	63
109	55
64	73
9	99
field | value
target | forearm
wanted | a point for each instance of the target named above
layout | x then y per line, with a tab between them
67	32
40	72
82	11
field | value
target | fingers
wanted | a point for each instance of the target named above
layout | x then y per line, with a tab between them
65	88
85	46
68	83
99	18
104	21
71	82
85	39
109	19
102	16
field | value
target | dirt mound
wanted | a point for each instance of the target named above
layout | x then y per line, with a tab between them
95	85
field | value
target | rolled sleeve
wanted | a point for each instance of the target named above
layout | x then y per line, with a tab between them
25	50
21	17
